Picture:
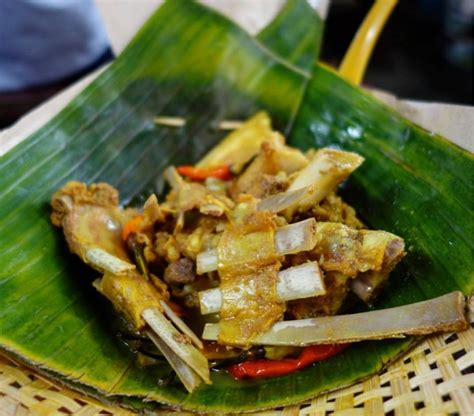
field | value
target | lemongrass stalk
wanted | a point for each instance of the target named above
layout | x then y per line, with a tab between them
327	169
239	146
367	285
103	261
179	343
293	238
445	313
172	176
181	325
185	373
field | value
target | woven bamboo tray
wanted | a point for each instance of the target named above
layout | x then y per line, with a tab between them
434	378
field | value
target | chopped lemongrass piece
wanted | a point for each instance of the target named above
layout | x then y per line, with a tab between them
172	176
170	121
327	169
300	282
179	343
210	301
185	373
445	313
283	200
207	261
290	239
293	238
104	261
470	308
297	282
181	325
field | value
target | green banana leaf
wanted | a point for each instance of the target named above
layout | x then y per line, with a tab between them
295	34
191	62
187	61
413	183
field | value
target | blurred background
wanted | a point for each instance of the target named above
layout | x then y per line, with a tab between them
425	52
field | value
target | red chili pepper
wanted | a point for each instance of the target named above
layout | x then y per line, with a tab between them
176	308
265	368
199	174
132	226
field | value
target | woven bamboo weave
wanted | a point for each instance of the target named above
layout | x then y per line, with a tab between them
434	378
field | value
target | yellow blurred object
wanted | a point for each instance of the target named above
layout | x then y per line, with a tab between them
357	57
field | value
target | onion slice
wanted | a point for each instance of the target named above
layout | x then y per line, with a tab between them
444	313
283	200
327	169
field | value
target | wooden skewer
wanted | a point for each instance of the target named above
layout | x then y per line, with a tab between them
170	121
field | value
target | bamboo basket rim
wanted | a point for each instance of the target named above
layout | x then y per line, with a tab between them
434	377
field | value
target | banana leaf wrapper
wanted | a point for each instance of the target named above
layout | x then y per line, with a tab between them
188	61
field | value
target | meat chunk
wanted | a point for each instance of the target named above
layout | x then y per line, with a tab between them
180	272
77	193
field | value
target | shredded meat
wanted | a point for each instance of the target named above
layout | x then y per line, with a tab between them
90	218
334	209
180	272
